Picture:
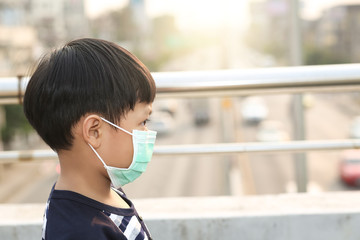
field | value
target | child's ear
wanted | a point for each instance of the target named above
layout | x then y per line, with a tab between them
91	130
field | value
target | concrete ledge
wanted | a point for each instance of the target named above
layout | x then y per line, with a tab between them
21	221
327	216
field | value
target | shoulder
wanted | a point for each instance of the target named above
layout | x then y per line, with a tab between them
68	218
65	225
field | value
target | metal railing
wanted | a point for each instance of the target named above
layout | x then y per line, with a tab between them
216	148
324	78
332	78
341	77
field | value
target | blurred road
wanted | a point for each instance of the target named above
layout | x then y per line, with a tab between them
213	175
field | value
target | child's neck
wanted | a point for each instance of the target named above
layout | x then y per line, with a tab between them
104	195
80	176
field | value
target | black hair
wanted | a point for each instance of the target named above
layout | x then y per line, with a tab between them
84	76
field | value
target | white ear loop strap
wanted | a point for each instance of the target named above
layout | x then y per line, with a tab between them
97	155
115	125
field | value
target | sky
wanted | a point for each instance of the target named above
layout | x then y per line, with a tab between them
206	13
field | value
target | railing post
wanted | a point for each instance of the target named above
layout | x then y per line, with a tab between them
227	128
296	59
300	159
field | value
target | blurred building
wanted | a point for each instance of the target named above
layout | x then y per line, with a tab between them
16	39
130	26
16	49
140	18
269	27
332	38
338	30
14	13
28	27
58	21
116	25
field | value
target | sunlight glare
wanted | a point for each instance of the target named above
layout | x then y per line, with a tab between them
189	14
210	14
94	8
202	14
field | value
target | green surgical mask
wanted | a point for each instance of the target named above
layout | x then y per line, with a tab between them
143	144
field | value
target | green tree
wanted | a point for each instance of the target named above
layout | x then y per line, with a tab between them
15	123
320	56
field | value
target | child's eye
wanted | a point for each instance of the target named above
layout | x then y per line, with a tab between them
144	122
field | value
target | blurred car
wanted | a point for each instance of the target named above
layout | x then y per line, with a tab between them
355	127
271	131
162	122
200	109
308	100
350	167
254	110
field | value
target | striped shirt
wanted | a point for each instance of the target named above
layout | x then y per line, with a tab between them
70	215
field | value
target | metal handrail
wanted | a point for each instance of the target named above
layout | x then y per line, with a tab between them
216	148
342	77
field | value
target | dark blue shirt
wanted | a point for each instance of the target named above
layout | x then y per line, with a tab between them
70	216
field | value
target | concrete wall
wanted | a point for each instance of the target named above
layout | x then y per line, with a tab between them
330	216
277	227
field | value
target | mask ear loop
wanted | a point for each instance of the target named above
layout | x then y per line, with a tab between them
114	125
97	155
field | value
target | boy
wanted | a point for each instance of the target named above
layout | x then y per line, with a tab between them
89	101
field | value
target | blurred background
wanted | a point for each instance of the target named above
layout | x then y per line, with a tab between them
185	35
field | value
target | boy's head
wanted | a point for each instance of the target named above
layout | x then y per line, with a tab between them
84	76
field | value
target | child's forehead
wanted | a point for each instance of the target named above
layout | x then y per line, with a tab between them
143	108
